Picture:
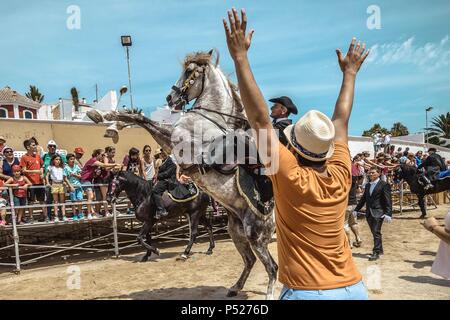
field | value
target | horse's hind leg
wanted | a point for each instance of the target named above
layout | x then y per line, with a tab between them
260	234
236	231
208	225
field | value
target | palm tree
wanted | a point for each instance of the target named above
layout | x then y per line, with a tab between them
76	102
34	94
376	127
398	129
440	129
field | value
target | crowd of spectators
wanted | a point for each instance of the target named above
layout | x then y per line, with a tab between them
45	181
386	161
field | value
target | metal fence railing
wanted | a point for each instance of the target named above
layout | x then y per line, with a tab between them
88	245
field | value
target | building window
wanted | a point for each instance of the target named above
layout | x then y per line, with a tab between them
3	113
28	114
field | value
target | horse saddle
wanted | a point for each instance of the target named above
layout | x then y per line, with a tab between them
183	192
257	191
228	151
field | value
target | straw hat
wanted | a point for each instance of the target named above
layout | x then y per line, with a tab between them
312	136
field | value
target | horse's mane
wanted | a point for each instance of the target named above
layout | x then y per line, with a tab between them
205	58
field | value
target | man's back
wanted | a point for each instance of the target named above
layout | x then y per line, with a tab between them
312	247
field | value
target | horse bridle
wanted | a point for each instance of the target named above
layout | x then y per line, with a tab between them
183	91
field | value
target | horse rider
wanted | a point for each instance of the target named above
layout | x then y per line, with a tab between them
166	178
280	112
434	166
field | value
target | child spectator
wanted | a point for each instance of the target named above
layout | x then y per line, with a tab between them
3	204
73	173
21	184
79	152
55	179
32	167
39	150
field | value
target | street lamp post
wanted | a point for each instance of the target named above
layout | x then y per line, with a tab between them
126	42
426	122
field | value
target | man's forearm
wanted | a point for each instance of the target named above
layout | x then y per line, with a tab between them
442	234
251	95
344	102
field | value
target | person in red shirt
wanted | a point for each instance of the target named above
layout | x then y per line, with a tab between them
31	164
21	185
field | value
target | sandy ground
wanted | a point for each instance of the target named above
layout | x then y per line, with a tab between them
402	273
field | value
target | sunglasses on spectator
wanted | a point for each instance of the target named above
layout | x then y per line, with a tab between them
51	146
5	152
148	150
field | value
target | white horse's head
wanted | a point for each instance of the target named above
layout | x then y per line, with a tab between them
191	84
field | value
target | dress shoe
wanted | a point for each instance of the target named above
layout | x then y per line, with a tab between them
375	256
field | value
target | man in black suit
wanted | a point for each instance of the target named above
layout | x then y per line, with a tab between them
377	198
280	111
167	175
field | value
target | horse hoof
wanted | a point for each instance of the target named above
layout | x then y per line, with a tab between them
209	252
232	293
157	252
423	216
182	257
144	259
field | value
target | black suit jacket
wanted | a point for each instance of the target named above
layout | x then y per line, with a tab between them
379	203
281	125
168	170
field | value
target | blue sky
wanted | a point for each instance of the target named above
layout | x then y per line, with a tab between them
292	52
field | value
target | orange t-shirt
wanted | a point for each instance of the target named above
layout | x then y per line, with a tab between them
32	163
313	251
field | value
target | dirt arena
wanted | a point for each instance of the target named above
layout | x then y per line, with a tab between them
404	271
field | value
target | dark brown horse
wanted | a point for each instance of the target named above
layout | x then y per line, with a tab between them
139	190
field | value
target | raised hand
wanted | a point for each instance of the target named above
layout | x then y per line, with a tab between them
237	40
355	57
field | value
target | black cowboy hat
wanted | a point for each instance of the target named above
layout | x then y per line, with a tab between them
287	102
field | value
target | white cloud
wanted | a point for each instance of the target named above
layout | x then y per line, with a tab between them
428	57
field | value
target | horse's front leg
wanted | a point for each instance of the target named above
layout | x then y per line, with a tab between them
144	240
193	228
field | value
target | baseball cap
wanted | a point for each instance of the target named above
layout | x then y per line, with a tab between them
2	138
52	143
